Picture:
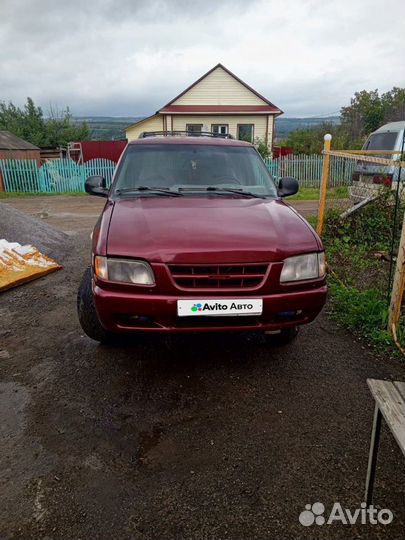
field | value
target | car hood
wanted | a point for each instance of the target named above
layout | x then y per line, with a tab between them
203	229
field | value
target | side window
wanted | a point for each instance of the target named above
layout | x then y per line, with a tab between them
193	129
246	132
219	129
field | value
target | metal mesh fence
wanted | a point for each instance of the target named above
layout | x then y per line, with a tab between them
360	222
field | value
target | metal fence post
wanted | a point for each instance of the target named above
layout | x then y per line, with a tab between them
324	183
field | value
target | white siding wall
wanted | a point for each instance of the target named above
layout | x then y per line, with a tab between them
219	88
259	121
155	123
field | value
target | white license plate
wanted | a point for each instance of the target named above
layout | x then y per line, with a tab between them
219	307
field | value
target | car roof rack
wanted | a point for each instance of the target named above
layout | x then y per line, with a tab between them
146	134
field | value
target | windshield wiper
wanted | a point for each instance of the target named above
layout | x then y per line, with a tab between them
149	189
224	191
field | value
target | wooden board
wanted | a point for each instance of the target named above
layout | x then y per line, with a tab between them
389	397
19	264
398	285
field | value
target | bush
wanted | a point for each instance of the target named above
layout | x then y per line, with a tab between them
370	226
262	148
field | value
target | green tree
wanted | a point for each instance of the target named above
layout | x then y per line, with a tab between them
33	124
366	113
310	140
30	124
11	118
370	110
62	129
394	105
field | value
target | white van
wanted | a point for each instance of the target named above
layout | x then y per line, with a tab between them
368	178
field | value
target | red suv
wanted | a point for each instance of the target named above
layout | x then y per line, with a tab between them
195	237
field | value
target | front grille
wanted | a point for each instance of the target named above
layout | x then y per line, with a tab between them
235	276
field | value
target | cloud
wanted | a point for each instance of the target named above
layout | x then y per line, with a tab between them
131	57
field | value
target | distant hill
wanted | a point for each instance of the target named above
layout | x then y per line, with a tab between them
107	128
284	126
113	127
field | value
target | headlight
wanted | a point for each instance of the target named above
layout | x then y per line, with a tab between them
124	270
309	266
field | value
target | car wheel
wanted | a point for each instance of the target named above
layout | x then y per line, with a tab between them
285	336
87	313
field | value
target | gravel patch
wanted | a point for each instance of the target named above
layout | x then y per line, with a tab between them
15	226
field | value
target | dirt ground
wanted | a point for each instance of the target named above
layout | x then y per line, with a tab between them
78	213
72	214
194	437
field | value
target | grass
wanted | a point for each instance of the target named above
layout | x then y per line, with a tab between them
312	194
363	311
4	195
358	253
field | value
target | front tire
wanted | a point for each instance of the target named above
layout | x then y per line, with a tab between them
87	313
285	336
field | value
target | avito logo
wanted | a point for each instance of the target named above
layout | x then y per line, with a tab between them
220	307
314	514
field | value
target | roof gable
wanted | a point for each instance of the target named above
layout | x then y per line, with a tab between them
220	87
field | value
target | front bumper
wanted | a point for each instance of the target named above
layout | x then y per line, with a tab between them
125	312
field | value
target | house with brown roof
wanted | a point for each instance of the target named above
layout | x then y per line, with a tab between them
217	102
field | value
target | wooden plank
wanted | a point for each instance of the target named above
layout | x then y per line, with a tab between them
398	285
392	406
366	158
400	386
375	152
357	206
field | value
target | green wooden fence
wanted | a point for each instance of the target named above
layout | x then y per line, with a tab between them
54	176
66	176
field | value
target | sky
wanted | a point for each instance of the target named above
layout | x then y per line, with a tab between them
130	57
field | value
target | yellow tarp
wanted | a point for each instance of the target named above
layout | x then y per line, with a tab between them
19	264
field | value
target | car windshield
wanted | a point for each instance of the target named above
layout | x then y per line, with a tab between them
381	141
192	170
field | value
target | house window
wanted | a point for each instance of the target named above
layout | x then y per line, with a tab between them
219	129
245	132
193	129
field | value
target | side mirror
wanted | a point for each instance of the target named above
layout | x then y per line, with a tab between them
96	185
287	186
